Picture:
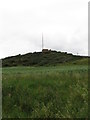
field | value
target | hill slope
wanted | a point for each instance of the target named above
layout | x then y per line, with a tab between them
40	59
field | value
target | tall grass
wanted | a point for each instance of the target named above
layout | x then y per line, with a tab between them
45	92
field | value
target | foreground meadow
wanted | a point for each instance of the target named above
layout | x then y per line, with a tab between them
45	92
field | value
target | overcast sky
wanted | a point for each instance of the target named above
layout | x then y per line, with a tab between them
64	24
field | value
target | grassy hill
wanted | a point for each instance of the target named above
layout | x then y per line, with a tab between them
42	59
57	91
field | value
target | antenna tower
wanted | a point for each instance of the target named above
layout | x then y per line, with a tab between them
42	41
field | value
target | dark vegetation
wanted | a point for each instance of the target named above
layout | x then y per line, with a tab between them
40	59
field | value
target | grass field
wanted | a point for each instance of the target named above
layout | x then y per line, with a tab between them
45	92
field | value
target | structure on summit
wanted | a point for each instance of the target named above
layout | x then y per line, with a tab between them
44	50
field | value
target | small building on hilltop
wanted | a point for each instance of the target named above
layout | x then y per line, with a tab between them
45	50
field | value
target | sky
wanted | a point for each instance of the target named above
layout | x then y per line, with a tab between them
64	24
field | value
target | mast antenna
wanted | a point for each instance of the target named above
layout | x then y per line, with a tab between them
42	41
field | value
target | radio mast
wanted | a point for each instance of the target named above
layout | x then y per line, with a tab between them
42	41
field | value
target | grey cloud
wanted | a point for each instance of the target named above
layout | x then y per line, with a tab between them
64	26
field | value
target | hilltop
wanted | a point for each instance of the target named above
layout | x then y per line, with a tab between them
43	59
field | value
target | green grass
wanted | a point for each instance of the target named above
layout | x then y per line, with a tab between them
45	92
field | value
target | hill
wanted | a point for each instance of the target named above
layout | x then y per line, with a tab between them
42	59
